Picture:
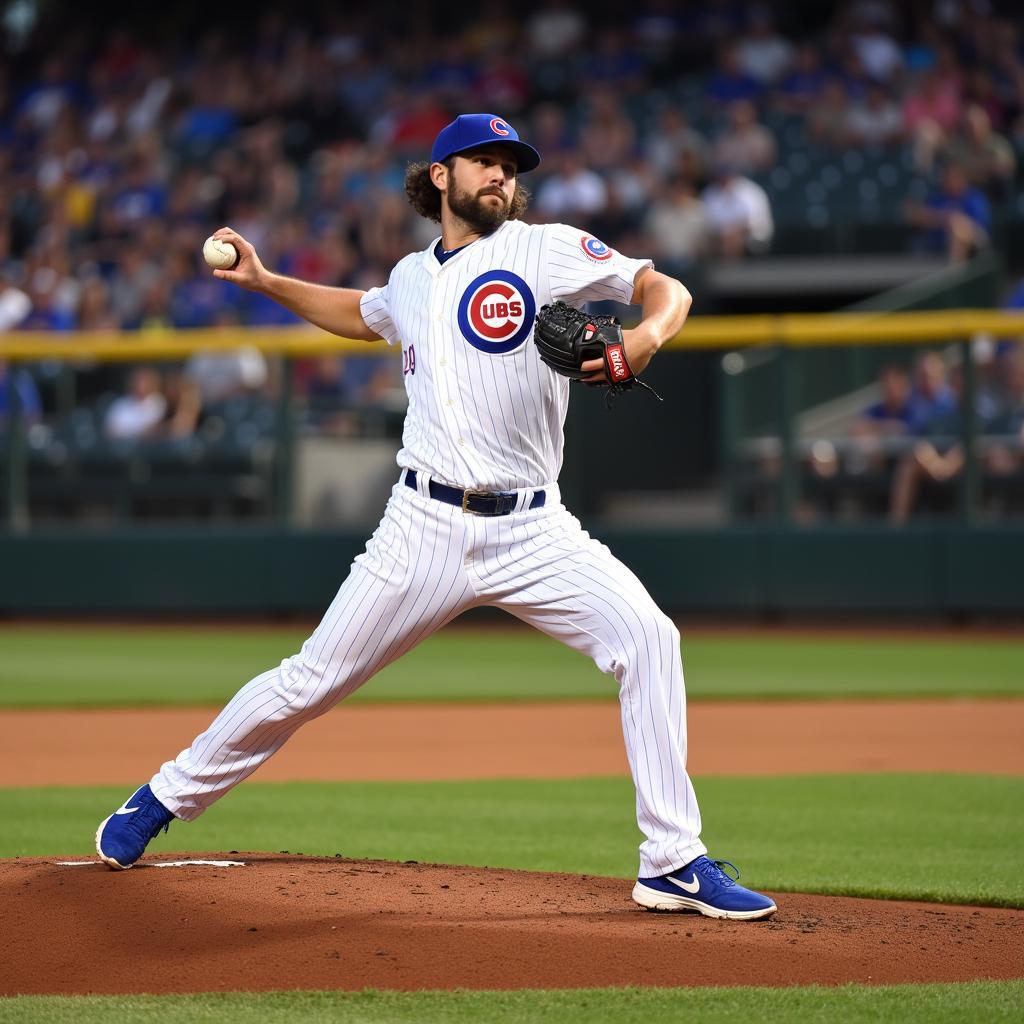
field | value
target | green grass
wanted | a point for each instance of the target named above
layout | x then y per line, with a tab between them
891	1004
76	666
941	837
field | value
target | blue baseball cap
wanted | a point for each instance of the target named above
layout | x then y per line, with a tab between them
468	131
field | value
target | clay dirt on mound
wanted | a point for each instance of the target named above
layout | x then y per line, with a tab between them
285	922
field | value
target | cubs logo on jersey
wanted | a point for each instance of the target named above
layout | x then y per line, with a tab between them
496	312
596	249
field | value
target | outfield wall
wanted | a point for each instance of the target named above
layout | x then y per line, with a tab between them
929	570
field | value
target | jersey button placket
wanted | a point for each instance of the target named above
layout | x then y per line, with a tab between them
440	344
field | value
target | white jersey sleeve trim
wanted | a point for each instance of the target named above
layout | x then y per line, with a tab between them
374	308
582	269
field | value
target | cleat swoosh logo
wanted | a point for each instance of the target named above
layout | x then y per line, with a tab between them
693	886
132	810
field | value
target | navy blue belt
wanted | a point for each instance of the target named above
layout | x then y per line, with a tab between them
480	503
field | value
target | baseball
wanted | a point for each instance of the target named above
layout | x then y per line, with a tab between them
219	255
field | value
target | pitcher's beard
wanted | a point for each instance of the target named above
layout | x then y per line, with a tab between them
472	210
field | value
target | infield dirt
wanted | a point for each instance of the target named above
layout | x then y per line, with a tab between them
428	742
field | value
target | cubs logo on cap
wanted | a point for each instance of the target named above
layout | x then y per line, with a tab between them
496	312
596	249
468	131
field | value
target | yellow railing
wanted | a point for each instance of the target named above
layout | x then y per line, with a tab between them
796	330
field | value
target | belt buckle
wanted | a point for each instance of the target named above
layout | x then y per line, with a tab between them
467	494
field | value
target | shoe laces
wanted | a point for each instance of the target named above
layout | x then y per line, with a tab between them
150	819
716	869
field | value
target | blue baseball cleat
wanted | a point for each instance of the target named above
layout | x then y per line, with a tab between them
703	886
122	839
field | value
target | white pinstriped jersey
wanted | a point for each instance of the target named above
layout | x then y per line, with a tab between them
484	411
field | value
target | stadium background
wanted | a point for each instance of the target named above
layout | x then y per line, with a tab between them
127	142
163	460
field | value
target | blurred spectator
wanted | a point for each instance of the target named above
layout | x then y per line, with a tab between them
937	465
934	409
197	297
876	49
555	28
956	218
933	399
142	196
892	414
223	375
94	310
550	134
335	387
449	75
931	112
608	137
616	222
15	305
326	381
210	120
30	407
411	128
739	214
1008	423
874	121
730	82
502	85
761	52
674	147
133	273
676	224
986	157
140	411
801	88
828	118
876	431
572	191
52	301
982	91
938	457
745	144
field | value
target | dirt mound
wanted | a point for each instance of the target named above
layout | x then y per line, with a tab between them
289	922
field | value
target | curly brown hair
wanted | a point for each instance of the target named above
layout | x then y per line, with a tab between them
425	198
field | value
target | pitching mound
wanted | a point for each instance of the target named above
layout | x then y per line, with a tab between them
292	922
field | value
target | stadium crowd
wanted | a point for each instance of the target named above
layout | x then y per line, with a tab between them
908	445
120	153
672	129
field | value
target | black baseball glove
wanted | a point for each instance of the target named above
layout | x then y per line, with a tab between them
566	338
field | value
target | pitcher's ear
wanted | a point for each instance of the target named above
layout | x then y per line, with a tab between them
439	176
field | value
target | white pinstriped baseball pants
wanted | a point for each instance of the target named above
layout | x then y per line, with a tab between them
426	563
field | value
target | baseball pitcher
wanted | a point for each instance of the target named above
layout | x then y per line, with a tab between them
488	318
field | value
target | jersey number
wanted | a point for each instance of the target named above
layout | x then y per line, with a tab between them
408	360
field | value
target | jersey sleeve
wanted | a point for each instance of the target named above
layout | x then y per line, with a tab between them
376	314
581	268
